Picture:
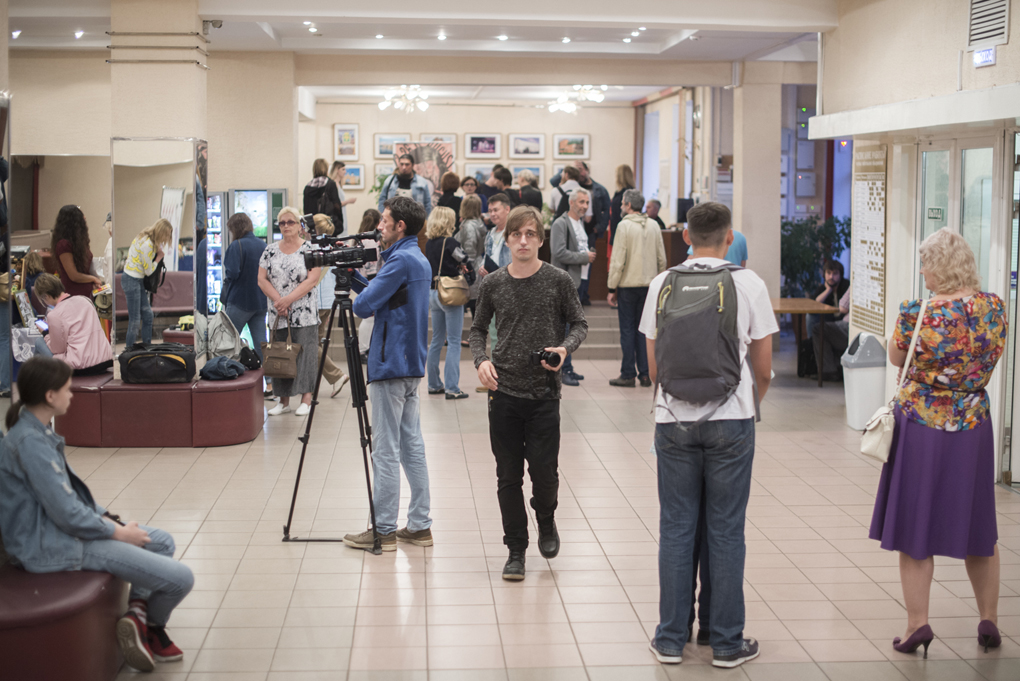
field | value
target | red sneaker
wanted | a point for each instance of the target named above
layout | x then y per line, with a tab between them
131	637
163	649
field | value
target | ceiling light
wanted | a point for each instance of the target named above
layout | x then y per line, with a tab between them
635	33
642	28
379	37
441	37
566	40
308	23
78	34
313	30
626	40
406	98
15	34
502	37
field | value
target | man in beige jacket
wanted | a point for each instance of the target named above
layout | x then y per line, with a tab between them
638	255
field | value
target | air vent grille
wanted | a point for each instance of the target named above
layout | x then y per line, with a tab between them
989	23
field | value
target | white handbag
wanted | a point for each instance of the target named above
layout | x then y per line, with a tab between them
878	433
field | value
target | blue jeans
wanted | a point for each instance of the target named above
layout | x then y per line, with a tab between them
153	573
139	311
6	357
42	349
447	324
630	304
256	322
718	455
396	442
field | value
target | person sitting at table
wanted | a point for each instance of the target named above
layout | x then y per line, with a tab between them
837	339
830	293
75	334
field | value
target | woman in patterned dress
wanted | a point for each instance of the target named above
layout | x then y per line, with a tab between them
936	496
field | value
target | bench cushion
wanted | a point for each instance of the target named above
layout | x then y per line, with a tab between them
150	415
182	337
228	412
81	426
28	599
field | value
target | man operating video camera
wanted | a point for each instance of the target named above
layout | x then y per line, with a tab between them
398	298
533	303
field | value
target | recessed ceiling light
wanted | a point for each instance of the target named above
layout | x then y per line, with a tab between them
566	40
441	37
313	30
379	37
642	28
78	34
635	33
15	34
502	37
626	40
308	23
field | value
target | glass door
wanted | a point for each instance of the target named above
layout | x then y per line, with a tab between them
936	166
1010	465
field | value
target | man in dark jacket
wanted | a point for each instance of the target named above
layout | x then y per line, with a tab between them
596	225
398	298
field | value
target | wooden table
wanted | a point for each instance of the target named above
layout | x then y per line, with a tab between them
800	307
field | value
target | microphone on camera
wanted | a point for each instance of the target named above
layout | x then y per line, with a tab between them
374	235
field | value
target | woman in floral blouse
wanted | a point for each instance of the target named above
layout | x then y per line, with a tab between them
936	496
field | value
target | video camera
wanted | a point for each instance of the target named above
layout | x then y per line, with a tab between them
330	251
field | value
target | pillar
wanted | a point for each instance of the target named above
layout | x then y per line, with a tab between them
5	37
757	145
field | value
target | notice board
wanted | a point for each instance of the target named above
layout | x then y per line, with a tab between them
867	255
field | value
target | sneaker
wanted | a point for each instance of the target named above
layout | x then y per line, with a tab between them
457	395
419	538
437	391
576	375
163	649
622	382
663	657
514	569
365	540
481	389
704	636
280	408
645	381
131	637
268	394
302	410
339	385
748	651
548	538
570	379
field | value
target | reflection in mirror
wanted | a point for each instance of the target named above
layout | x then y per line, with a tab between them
155	214
6	357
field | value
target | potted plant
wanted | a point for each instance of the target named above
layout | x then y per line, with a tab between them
805	244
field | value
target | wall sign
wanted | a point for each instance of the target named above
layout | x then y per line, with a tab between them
985	57
935	214
867	296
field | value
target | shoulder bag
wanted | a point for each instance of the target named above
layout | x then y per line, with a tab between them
279	358
453	291
878	433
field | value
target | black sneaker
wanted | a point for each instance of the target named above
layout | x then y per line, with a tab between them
622	382
704	636
570	379
548	538
514	568
645	381
438	391
458	395
748	651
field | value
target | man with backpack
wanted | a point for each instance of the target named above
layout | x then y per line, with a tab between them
709	325
406	182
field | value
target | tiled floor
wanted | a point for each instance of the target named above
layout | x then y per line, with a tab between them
822	598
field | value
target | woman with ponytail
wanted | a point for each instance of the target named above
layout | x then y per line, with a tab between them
50	522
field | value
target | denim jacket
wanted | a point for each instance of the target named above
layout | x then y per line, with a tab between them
420	191
502	258
46	511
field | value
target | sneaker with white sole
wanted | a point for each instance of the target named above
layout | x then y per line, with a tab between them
132	635
663	657
339	385
302	410
366	540
748	651
280	408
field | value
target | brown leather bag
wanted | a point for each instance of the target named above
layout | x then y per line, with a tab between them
279	358
453	291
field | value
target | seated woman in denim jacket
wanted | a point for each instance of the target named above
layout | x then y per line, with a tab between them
51	523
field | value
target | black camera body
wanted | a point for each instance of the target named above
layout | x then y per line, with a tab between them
330	251
537	356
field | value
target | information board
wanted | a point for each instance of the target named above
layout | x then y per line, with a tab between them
867	294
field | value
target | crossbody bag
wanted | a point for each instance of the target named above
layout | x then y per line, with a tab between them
453	291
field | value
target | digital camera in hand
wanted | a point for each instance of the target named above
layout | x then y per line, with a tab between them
551	358
331	251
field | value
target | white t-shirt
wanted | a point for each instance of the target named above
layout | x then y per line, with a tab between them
755	320
582	242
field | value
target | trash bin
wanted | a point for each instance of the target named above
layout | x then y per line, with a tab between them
864	364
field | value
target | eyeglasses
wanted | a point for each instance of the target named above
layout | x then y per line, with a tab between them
288	223
529	235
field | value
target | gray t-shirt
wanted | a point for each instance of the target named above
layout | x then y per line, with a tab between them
531	314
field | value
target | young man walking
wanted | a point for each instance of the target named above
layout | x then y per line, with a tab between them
706	446
533	302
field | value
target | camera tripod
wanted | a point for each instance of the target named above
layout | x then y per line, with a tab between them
359	398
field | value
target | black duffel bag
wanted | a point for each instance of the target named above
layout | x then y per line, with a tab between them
161	363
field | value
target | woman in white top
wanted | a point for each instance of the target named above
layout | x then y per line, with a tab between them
290	287
146	250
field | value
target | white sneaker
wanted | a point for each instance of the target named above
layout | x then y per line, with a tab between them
339	385
280	408
302	410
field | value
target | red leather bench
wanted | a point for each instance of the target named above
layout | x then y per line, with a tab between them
146	415
182	337
82	425
227	412
59	625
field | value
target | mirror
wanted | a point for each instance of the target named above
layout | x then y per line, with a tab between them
158	196
6	356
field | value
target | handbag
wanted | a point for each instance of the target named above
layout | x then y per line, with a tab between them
453	291
878	433
279	358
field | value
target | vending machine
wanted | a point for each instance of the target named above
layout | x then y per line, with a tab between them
217	239
262	206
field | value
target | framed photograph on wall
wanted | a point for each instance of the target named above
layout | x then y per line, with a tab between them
479	171
345	142
384	170
537	170
482	145
385	142
526	145
558	167
355	177
440	137
572	147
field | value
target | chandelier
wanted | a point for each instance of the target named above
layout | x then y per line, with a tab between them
569	101
408	98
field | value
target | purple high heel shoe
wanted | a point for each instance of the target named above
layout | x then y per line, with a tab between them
988	635
921	637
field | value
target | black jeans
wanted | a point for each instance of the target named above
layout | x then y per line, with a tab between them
524	430
630	304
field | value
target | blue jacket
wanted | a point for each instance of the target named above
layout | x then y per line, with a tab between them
46	511
420	191
399	299
241	274
600	206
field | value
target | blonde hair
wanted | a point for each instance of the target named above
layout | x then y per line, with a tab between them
289	209
161	233
624	177
471	207
527	177
34	263
949	263
441	222
323	225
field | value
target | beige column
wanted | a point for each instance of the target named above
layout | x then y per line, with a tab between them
5	37
757	120
157	92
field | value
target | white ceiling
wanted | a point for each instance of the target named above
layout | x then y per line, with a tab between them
542	94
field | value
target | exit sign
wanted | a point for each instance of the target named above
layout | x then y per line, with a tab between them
985	57
934	213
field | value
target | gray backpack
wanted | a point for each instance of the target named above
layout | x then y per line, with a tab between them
697	346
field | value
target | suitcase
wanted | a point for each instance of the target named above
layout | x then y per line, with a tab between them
161	363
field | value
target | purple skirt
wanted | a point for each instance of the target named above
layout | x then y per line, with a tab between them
936	496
